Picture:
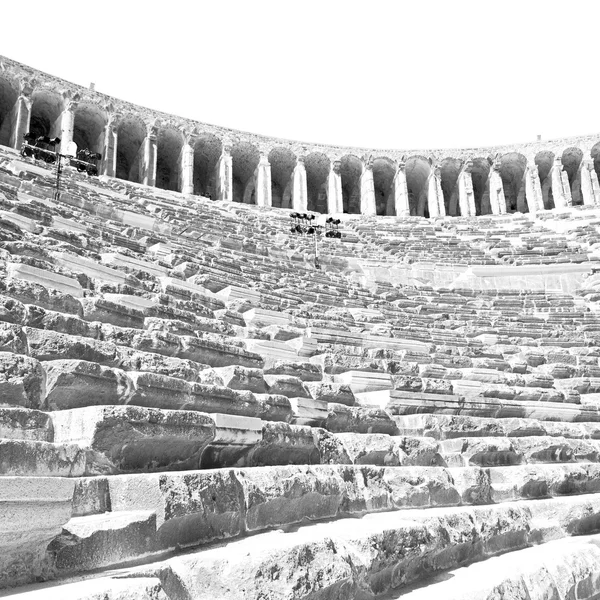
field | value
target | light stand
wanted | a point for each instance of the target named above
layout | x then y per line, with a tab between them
44	148
302	224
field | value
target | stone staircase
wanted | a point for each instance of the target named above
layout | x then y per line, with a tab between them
189	409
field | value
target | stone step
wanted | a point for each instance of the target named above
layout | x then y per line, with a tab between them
102	540
125	439
373	555
35	458
566	568
399	404
445	427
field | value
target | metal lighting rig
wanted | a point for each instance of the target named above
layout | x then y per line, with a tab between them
302	224
44	148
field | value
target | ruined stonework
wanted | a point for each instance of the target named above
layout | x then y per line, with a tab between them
172	153
190	409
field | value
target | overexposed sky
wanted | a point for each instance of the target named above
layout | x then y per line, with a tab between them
374	73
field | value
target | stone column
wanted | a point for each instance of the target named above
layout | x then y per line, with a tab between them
109	152
533	189
148	157
335	200
263	182
559	193
67	125
466	196
435	196
20	119
224	175
522	195
299	186
497	199
589	183
367	191
187	168
401	203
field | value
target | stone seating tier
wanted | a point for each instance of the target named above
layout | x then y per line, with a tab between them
175	373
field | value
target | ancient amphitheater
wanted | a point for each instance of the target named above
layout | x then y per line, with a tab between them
190	409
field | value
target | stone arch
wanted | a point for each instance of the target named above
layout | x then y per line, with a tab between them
545	161
480	172
46	111
283	162
512	172
449	170
351	169
245	157
384	171
417	175
8	98
317	170
169	144
89	127
131	133
571	159
207	151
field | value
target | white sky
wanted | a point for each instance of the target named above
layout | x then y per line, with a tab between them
374	73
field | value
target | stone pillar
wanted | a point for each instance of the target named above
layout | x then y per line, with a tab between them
148	157
187	169
109	152
561	200
533	189
522	195
497	199
299	186
20	119
67	125
367	191
589	183
224	176
263	182
335	200
435	196
401	202
466	196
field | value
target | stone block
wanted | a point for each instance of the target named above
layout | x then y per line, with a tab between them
25	424
108	311
365	381
102	540
33	511
308	411
48	345
130	264
341	419
217	353
158	391
339	393
40	459
22	381
91	496
303	370
286	385
77	383
191	508
48	279
284	495
93	269
260	317
372	449
243	378
128	439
